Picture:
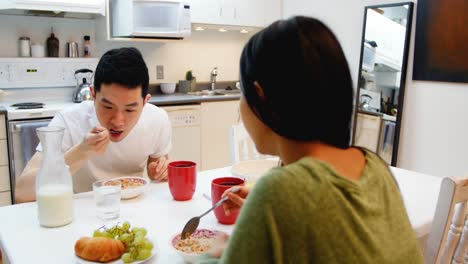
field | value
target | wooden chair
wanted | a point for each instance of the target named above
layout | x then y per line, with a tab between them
448	239
242	146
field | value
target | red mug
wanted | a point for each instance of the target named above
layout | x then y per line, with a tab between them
218	186
182	177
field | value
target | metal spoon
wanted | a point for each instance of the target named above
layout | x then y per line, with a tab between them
192	224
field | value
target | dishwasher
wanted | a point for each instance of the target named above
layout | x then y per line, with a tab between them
186	132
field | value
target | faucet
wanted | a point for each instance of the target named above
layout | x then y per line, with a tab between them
214	73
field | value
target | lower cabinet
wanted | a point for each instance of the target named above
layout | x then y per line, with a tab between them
5	198
5	193
217	119
367	131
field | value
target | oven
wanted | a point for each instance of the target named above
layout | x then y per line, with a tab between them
22	145
35	90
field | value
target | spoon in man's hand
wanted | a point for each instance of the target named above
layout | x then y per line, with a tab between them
192	224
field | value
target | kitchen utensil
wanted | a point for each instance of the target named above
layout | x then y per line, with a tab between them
192	224
365	99
132	186
83	92
52	45
206	237
37	50
218	187
24	47
107	195
168	88
72	49
182	177
54	186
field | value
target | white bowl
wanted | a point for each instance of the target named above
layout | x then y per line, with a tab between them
168	88
192	257
132	186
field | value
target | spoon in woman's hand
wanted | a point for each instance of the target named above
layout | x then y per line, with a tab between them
192	224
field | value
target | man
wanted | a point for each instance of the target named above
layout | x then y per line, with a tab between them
116	135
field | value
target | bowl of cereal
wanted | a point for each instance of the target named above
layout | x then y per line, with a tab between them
132	186
198	243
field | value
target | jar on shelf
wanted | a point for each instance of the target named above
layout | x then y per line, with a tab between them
87	46
24	47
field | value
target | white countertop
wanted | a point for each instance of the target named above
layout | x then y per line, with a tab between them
24	241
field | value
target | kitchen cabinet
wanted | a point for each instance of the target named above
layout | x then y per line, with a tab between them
254	13
367	131
390	39
5	194
217	119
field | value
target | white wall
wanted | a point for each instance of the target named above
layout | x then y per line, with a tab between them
433	135
200	53
203	51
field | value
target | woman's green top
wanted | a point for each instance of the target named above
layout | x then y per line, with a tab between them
307	213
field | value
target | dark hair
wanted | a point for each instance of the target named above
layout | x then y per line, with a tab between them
124	66
307	86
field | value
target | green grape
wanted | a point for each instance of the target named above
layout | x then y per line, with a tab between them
127	258
143	230
126	238
126	226
148	244
97	233
138	240
143	254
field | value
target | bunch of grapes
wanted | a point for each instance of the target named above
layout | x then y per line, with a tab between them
138	247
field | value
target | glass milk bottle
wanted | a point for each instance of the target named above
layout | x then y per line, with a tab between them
54	187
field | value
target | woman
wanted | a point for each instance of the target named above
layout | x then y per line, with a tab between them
330	203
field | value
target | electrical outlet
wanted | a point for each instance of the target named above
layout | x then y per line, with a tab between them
159	72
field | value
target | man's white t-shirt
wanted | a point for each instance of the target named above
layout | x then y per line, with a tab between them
150	137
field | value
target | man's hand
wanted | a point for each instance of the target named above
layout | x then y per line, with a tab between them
157	168
97	140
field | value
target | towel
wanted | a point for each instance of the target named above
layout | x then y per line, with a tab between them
29	138
389	133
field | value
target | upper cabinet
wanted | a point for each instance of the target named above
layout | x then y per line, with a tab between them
57	8
389	37
254	13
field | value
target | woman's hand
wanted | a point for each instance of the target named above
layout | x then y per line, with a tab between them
236	200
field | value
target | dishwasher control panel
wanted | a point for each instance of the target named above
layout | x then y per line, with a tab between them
181	116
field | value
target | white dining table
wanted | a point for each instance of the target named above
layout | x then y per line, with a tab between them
23	240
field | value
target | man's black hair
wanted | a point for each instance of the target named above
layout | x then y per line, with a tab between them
124	66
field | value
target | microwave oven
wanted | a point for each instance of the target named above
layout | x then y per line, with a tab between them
150	19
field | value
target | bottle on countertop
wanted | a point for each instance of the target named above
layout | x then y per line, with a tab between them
52	45
54	185
87	46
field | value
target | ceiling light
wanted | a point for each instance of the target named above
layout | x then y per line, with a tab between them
244	31
222	30
199	29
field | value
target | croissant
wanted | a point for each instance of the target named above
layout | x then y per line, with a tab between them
101	249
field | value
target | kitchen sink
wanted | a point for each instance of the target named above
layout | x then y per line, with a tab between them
215	92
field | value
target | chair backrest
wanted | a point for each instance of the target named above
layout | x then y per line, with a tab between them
448	239
242	146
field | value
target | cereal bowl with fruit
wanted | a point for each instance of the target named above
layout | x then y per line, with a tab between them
200	242
132	186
